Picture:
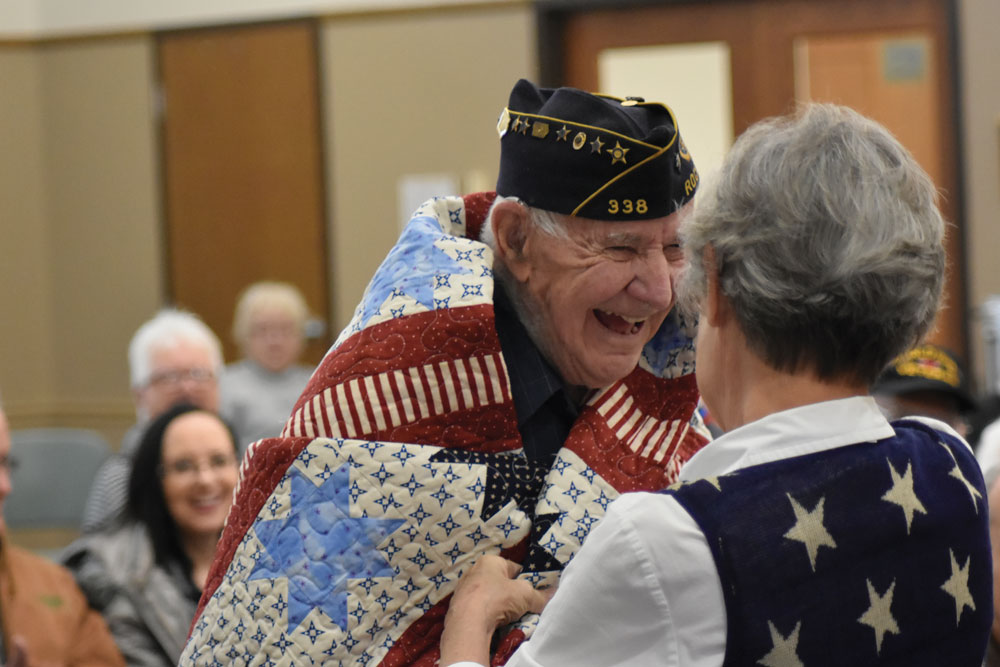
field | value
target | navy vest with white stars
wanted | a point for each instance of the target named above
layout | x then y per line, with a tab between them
869	554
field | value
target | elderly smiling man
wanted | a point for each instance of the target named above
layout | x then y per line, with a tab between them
515	364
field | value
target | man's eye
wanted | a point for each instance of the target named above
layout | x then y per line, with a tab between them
622	249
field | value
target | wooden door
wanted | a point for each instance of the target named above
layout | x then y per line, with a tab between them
843	42
243	171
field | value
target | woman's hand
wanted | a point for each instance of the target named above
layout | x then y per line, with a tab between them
487	597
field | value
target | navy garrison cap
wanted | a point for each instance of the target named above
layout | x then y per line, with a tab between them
593	156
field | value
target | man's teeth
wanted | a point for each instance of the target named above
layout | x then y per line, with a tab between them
630	320
620	323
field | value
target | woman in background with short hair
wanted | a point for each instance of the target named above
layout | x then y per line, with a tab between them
259	391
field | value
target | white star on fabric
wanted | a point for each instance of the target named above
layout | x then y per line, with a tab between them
957	586
879	615
782	653
957	474
902	494
809	529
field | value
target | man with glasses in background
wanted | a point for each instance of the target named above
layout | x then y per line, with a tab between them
173	358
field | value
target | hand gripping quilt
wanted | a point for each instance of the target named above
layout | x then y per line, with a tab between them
401	465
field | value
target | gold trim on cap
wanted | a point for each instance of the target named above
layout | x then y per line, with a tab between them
621	175
599	129
659	152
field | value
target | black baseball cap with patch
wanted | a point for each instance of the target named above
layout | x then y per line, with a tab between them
593	156
926	368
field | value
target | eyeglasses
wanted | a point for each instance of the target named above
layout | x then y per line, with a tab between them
187	468
8	463
274	329
176	376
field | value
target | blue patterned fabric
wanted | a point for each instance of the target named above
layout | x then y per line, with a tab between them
871	554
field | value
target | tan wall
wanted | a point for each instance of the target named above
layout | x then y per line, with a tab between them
980	58
412	93
26	331
92	241
103	209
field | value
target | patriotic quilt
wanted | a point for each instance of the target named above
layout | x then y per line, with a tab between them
401	465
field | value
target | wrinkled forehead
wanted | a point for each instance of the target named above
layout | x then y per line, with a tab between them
632	233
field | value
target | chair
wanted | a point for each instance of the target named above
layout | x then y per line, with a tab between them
54	472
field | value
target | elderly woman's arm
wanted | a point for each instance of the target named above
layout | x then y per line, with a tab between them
487	597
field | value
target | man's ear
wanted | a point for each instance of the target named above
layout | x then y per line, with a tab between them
716	307
511	228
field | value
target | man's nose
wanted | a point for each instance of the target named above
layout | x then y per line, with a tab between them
654	281
188	381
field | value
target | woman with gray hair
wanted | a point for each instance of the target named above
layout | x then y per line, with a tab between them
259	391
813	532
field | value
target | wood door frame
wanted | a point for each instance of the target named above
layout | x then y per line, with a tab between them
552	17
313	23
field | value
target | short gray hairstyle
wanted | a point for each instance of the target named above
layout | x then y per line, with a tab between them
168	328
268	294
828	243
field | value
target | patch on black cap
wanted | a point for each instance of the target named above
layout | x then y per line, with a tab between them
926	367
593	156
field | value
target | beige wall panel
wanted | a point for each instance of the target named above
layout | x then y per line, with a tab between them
26	332
415	93
980	59
103	207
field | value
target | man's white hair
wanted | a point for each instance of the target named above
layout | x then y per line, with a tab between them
168	328
548	222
